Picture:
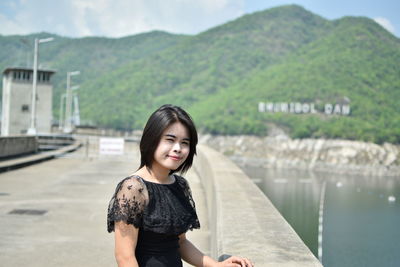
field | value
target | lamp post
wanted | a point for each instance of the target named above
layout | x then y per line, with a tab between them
32	128
68	102
61	118
76	116
61	114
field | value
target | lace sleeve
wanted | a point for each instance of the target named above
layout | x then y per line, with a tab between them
128	203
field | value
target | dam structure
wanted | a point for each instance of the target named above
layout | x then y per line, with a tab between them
53	213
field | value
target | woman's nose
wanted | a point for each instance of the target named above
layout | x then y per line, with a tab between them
177	147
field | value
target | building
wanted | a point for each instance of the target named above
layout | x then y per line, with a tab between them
17	98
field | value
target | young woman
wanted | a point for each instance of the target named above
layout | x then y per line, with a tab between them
151	210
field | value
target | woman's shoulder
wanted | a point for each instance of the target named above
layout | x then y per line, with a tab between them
132	180
180	180
128	202
132	183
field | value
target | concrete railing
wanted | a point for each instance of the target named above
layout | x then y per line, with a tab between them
242	220
10	164
11	146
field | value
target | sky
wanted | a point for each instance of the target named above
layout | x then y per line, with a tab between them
119	18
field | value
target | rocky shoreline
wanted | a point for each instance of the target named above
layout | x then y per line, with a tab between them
338	156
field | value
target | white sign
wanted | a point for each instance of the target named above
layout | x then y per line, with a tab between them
111	146
297	108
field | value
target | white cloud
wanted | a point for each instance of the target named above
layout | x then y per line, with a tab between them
385	23
9	26
116	18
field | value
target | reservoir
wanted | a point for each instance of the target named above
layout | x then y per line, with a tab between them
360	215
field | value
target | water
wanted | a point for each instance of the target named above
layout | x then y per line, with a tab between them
360	219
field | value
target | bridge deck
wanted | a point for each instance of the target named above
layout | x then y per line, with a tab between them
74	191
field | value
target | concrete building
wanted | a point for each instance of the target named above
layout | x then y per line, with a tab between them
16	102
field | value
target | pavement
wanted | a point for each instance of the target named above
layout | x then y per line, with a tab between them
53	213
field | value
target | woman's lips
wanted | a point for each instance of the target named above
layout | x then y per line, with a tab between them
174	157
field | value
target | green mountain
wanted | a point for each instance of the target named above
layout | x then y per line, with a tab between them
284	54
356	59
92	56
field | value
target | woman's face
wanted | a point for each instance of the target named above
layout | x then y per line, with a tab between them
173	148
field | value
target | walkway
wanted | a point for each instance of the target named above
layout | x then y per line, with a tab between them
74	192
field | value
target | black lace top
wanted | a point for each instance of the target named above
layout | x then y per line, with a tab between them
160	211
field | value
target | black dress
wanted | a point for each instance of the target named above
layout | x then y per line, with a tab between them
161	212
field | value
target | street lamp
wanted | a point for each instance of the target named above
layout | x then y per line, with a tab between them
75	117
68	104
61	113
61	118
32	128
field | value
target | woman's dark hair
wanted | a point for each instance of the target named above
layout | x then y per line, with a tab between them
161	119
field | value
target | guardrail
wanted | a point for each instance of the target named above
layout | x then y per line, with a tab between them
6	165
12	146
242	220
20	151
48	142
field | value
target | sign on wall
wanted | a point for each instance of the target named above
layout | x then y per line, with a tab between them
111	146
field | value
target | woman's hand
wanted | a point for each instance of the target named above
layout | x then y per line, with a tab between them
235	261
195	257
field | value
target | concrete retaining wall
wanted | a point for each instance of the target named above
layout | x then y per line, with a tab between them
327	155
17	145
241	218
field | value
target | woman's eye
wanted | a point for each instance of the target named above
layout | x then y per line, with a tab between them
185	143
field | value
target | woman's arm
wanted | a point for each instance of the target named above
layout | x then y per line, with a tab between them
125	244
194	256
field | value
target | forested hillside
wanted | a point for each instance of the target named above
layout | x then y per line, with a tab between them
284	54
355	60
92	56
